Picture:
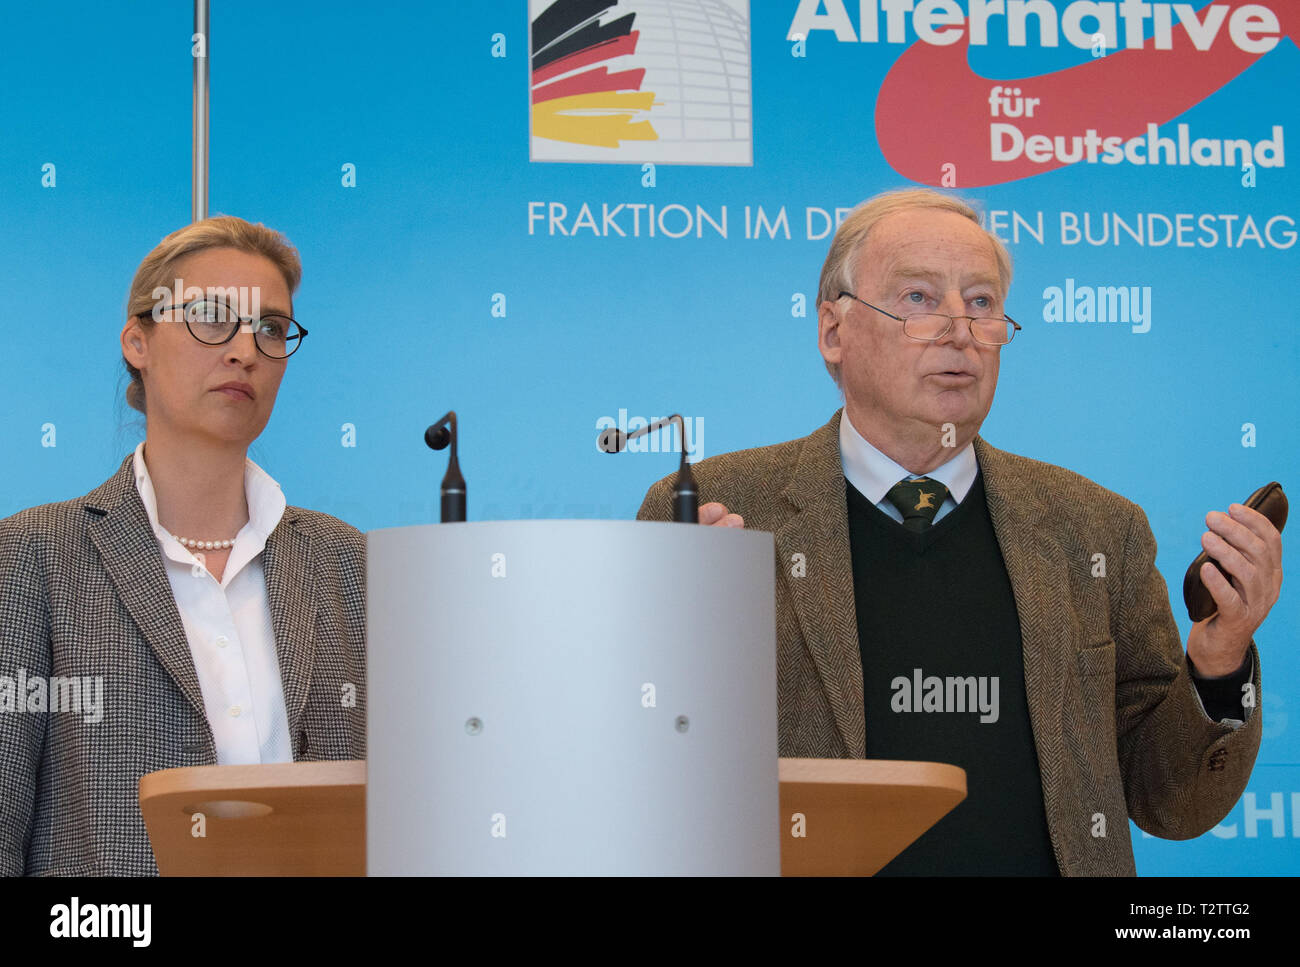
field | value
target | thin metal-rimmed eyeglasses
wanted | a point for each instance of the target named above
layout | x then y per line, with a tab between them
214	323
989	330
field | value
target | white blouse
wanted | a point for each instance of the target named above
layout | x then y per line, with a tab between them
228	625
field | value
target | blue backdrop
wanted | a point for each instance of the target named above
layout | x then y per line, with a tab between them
442	280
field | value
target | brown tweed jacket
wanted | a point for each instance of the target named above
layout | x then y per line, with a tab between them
84	593
1117	723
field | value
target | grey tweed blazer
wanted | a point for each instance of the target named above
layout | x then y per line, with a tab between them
1117	723
84	593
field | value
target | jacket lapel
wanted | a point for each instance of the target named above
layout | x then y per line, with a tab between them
119	528
823	597
1038	579
290	570
121	531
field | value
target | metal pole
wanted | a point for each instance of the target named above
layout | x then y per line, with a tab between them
202	42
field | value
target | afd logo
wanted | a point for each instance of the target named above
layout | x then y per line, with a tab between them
640	81
1164	57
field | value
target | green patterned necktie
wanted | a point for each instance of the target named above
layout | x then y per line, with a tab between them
918	501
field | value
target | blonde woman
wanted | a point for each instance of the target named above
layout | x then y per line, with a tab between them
181	613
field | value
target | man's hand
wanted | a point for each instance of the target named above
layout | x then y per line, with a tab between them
716	515
1250	550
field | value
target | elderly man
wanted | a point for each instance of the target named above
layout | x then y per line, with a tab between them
939	599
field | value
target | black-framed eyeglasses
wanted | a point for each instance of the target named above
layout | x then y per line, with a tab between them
214	323
989	330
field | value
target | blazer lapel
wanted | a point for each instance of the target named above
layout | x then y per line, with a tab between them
1038	577
823	597
290	570
120	529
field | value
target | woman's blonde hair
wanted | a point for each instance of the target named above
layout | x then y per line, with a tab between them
157	271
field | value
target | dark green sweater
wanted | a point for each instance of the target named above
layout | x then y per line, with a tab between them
943	681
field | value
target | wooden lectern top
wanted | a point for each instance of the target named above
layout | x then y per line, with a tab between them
287	819
839	817
849	817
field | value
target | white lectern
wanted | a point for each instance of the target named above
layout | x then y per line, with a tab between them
581	697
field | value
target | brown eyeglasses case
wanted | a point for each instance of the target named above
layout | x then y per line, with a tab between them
1270	501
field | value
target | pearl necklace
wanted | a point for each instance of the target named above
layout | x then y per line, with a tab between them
205	545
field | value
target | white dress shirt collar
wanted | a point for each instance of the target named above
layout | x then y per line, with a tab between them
266	505
873	474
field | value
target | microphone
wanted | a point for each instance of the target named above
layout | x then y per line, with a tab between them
686	500
438	437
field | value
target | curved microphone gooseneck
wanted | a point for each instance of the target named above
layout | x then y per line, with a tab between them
438	437
686	500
